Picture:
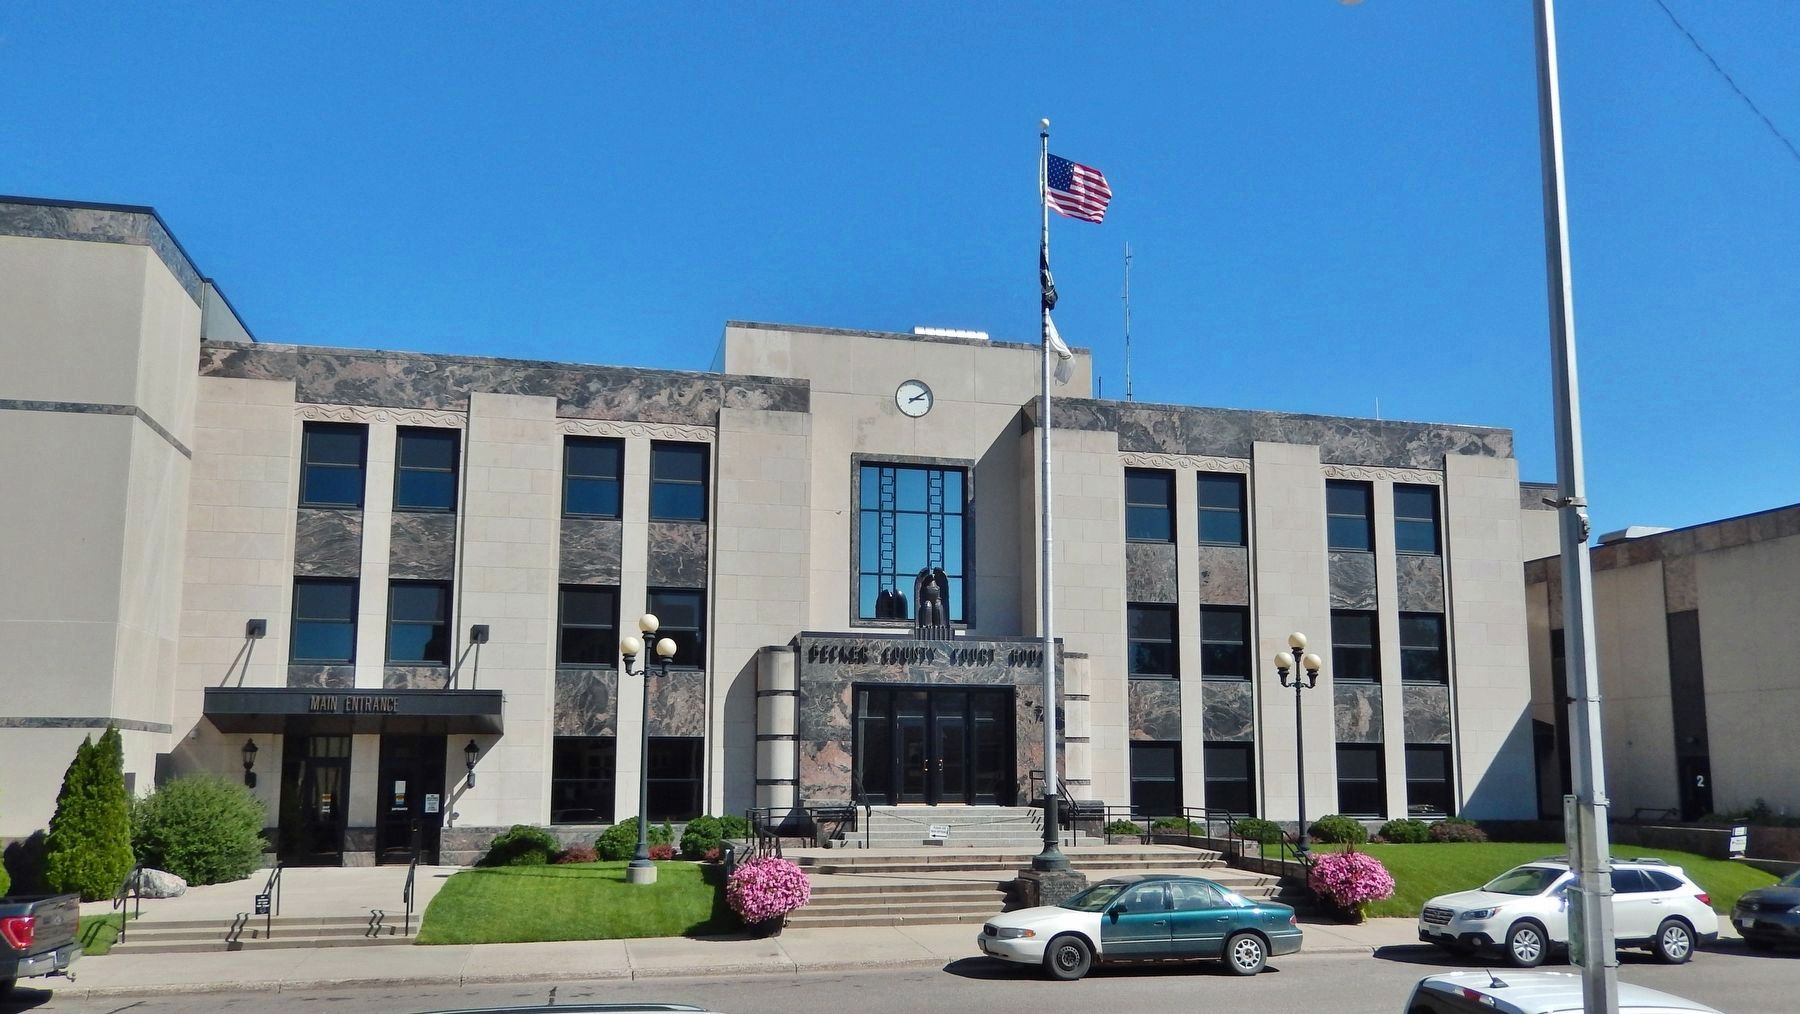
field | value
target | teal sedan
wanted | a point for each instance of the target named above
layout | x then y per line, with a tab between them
1144	918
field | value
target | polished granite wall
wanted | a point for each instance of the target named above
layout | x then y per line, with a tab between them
678	704
118	224
1228	711
415	677
1150	572
1155	710
830	666
1224	576
1427	713
1421	584
422	547
1357	712
1352	580
322	677
328	542
587	702
677	554
415	380
590	551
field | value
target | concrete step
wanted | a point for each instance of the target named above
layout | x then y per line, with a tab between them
190	936
869	899
802	919
134	946
972	865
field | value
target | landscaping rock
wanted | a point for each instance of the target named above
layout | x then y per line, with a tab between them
157	884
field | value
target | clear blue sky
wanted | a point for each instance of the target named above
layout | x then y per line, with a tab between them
1329	205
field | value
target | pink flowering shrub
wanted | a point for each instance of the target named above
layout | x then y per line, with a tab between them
1351	880
767	888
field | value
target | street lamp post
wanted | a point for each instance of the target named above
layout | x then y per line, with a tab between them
1284	663
641	870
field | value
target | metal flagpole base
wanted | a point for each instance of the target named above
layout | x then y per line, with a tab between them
645	874
1051	858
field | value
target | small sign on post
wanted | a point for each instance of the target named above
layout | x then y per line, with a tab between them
1740	841
262	904
937	834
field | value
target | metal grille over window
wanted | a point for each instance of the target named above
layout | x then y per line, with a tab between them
911	519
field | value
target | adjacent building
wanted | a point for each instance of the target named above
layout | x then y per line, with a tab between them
389	588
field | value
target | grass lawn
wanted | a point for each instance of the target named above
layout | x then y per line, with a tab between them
577	901
97	933
1422	872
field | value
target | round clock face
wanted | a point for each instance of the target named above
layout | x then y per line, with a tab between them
914	398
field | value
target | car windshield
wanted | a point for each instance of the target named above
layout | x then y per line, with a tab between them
1524	881
1096	898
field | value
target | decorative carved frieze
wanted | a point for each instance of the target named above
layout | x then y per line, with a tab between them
1197	462
436	418
646	430
1373	473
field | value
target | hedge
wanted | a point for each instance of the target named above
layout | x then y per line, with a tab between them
202	828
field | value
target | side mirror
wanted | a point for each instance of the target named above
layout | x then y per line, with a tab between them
1116	911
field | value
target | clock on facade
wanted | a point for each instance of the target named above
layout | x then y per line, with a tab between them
914	398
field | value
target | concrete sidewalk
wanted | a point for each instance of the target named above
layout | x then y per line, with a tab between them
794	951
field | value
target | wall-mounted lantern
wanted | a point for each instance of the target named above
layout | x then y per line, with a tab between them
250	763
471	752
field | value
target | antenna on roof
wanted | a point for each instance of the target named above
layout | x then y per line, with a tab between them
1127	298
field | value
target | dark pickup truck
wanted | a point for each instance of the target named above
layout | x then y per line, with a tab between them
37	937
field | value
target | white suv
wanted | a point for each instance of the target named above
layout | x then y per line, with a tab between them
1526	911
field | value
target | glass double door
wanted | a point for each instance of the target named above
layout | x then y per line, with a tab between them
315	793
934	745
410	799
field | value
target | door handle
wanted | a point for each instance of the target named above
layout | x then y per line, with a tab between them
1159	922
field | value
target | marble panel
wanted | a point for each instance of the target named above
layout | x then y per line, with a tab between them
1155	709
678	704
1150	572
677	554
1421	584
132	226
1427	713
1353	581
422	547
1228	711
587	702
1357	709
328	542
590	551
1224	576
1680	585
416	380
415	677
322	677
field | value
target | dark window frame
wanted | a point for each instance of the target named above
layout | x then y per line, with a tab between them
1343	670
659	448
1204	510
1376	750
688	640
868	552
1415	806
617	479
1173	642
1171	783
1367	516
1137	508
1248	781
308	430
393	622
564	625
1408	522
297	619
660	784
599	788
1440	651
401	468
1243	646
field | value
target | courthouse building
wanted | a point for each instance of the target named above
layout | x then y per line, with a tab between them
402	578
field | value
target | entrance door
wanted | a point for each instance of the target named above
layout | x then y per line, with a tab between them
912	747
934	745
410	795
1696	786
950	742
315	790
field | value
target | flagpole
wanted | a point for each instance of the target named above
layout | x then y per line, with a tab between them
1051	858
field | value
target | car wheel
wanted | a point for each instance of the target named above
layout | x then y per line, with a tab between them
1068	958
1526	945
1674	942
1245	954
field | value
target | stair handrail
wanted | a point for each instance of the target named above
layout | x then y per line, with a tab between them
272	887
412	873
132	886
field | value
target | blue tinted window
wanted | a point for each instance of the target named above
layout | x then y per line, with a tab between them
331	465
911	517
419	622
1416	520
324	630
1348	525
1150	639
677	502
590	626
425	470
677	482
1149	505
1221	508
591	476
1224	642
682	618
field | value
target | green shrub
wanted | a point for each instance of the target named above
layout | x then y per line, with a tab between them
1179	825
1457	829
89	847
1337	828
1406	831
734	827
1258	829
24	863
521	845
1123	827
204	829
620	840
699	837
575	854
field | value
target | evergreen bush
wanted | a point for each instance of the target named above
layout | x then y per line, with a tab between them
89	847
1258	829
1406	831
620	840
1123	827
1335	827
202	828
701	835
1457	829
521	845
734	827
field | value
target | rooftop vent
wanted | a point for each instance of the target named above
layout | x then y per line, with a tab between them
950	332
1627	534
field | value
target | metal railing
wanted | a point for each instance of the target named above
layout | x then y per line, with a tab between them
412	873
272	888
131	888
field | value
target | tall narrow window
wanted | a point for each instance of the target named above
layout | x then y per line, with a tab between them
909	517
1416	520
589	633
1155	779
581	779
591	474
324	621
419	623
1225	642
683	618
677	482
1229	787
1349	524
674	776
1361	791
1354	655
425	470
1428	780
1422	655
331	464
1150	636
1221	507
1149	505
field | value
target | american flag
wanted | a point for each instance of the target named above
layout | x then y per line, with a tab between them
1077	190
